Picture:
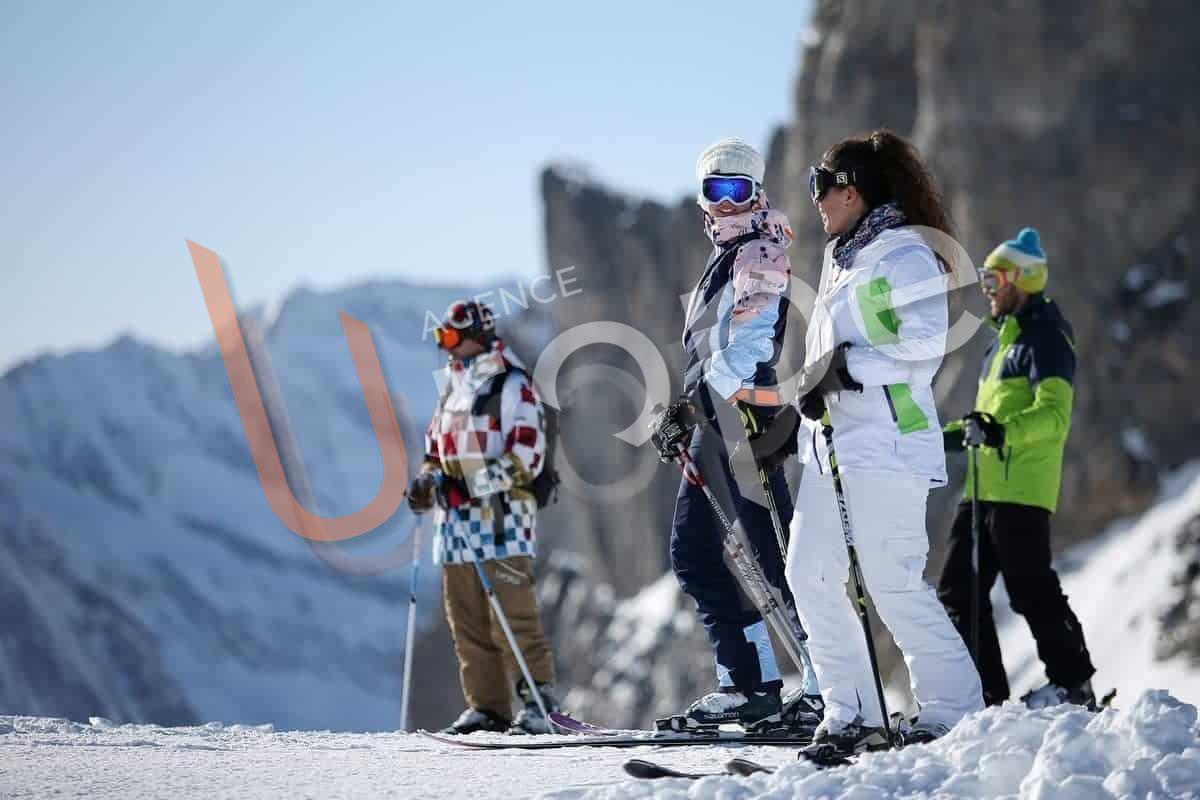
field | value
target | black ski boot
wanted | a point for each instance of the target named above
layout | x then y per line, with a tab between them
918	732
529	719
477	719
836	742
753	711
802	712
1052	695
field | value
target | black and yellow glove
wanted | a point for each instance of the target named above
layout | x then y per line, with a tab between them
772	433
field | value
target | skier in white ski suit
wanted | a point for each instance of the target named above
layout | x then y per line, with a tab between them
880	326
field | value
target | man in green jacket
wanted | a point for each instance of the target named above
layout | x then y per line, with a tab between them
1020	423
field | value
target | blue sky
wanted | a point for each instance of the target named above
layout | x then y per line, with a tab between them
331	143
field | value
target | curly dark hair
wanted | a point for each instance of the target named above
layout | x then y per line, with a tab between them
887	168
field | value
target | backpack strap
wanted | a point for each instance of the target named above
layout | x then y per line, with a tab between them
489	402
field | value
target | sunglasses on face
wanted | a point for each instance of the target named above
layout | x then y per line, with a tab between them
821	180
737	189
993	280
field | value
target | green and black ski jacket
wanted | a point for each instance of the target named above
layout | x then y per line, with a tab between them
1027	384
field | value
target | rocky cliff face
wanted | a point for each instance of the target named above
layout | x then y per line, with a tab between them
1080	119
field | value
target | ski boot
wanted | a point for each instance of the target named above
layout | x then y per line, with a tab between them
919	732
835	742
754	711
1052	695
477	719
529	719
802	713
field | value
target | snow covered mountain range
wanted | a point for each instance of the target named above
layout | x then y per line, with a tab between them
142	573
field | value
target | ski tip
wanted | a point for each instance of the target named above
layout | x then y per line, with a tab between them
568	724
563	722
648	770
745	767
1107	700
638	768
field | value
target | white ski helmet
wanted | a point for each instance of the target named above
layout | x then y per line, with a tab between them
730	156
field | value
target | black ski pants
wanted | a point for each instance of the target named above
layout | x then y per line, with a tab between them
1015	543
736	630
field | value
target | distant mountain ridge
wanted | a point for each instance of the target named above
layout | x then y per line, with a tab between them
145	577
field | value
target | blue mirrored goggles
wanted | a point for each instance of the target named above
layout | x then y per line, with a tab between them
821	180
737	189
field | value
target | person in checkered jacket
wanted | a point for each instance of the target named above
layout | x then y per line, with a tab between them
483	448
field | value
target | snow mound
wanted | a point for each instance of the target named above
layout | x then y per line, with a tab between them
1150	749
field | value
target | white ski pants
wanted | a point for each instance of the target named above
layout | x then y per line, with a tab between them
887	514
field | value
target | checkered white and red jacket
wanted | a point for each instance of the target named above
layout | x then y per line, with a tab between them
489	456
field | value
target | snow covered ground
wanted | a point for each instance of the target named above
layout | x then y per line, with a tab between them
1146	747
1149	749
40	757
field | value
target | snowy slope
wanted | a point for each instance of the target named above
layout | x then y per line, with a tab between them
1148	750
143	576
1133	592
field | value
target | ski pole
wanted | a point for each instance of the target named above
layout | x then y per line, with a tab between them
410	632
773	510
976	581
776	521
508	634
752	579
860	596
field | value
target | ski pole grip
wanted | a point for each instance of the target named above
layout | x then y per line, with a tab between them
691	472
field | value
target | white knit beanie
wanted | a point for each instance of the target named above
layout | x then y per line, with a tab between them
730	156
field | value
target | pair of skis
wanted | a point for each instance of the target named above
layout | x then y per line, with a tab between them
584	734
738	767
652	770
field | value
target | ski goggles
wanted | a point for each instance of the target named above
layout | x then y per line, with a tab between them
821	180
737	189
993	280
447	338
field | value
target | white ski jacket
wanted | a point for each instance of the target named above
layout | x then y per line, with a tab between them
890	305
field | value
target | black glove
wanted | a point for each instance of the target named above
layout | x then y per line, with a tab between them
980	428
953	441
812	405
837	377
672	427
772	433
422	494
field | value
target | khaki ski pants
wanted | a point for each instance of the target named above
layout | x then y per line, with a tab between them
487	669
